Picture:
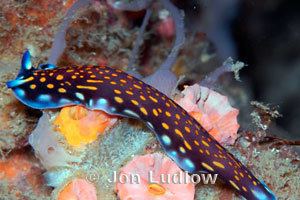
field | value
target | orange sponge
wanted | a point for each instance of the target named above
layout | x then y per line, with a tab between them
81	126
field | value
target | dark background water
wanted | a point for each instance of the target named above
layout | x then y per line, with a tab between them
266	36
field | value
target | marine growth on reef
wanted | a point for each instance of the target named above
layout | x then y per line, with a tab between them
104	89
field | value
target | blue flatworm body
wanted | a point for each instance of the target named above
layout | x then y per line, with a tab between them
115	92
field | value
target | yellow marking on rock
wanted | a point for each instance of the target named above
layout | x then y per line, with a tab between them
159	110
205	143
70	70
234	184
129	77
218	164
187	129
68	83
62	90
187	145
235	172
137	86
86	87
196	132
113	83
144	111
166	126
59	77
178	132
106	77
201	151
196	142
177	116
76	73
135	102
81	76
142	97
230	163
115	75
93	76
117	91
254	183
168	114
107	71
155	112
43	79
206	166
167	104
100	72
118	99
153	99
129	92
250	177
73	77
32	86
176	122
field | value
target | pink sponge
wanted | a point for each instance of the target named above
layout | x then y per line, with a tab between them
212	110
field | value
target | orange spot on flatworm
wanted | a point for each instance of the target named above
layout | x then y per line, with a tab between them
187	129
187	145
166	126
155	112
86	87
206	166
50	86
43	79
32	86
129	92
178	132
142	97
61	90
135	102
119	99
168	114
144	111
59	77
117	91
218	164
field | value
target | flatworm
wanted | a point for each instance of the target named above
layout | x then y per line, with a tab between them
115	92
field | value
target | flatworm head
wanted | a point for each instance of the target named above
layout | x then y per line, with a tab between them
115	92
